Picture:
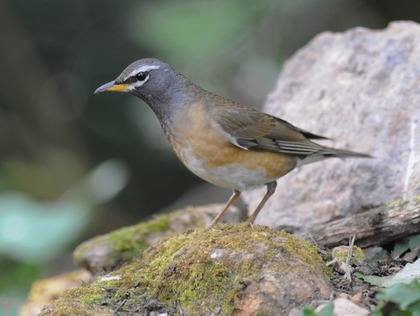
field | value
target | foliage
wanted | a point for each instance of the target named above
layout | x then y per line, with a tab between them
400	300
409	243
327	310
410	272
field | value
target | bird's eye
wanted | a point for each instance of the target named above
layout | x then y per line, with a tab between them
141	76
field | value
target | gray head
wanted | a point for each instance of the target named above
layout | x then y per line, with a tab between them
155	82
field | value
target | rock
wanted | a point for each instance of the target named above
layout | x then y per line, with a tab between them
361	88
231	269
344	307
45	291
105	252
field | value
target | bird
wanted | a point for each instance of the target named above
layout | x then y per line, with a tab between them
224	142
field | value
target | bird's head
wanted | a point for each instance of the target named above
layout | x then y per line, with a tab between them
146	78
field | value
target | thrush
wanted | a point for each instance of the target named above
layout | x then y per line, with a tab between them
224	142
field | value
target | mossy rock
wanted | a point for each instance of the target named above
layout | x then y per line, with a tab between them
45	291
231	269
104	253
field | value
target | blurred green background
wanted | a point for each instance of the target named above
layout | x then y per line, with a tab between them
73	165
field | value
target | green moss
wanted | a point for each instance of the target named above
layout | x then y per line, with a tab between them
201	266
77	301
340	253
358	255
120	245
307	252
133	239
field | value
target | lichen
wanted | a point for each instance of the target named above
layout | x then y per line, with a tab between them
185	273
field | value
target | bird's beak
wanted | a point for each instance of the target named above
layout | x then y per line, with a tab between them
112	87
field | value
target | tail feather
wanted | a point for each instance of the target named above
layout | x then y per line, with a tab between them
342	153
327	152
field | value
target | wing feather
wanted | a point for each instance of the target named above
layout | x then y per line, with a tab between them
253	130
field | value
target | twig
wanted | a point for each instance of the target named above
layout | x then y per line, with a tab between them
346	266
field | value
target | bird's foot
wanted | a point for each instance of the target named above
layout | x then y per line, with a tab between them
251	224
212	223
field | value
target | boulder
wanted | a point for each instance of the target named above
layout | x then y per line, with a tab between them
361	88
231	269
105	252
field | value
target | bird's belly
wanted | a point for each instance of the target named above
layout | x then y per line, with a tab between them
232	176
235	168
208	153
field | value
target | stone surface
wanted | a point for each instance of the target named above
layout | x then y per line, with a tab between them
45	291
362	89
344	307
103	253
231	269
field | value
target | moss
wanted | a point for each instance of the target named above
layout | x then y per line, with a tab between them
340	253
307	252
358	255
120	245
106	252
77	301
203	269
132	239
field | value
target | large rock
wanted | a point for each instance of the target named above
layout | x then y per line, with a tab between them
231	269
362	89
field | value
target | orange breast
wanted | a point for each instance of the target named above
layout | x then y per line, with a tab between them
195	133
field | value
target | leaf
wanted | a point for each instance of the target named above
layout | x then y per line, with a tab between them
405	296
402	294
309	311
409	243
414	242
410	272
400	248
415	309
327	310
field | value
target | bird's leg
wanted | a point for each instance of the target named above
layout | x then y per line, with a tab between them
235	195
271	188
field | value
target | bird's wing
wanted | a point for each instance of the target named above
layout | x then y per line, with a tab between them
253	130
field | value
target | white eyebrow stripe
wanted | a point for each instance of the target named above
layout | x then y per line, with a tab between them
143	68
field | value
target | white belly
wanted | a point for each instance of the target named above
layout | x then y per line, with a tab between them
230	176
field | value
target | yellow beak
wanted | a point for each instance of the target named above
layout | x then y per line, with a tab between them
112	87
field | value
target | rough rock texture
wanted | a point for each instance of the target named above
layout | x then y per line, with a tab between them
231	269
45	291
362	89
103	253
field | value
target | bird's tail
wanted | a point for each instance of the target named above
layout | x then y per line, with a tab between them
328	152
341	153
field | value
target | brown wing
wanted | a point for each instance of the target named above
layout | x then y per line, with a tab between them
253	130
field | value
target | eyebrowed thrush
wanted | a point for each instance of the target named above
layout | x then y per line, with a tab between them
226	143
